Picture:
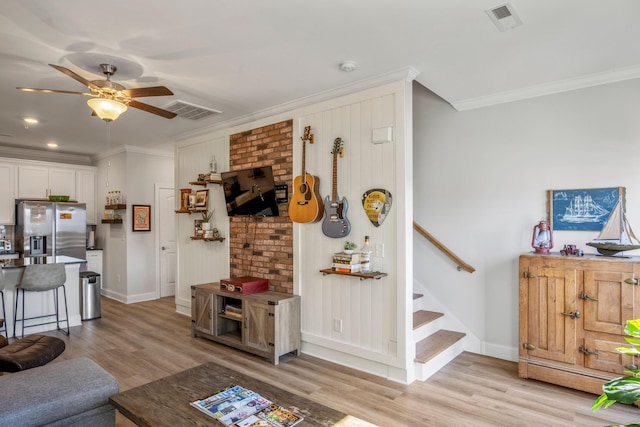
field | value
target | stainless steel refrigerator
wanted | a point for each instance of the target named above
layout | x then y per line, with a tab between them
51	229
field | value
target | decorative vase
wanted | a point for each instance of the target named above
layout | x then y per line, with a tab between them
206	226
348	251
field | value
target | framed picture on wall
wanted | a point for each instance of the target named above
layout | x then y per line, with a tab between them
202	200
141	218
583	209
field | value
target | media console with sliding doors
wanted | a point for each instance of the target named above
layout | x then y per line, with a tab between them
263	323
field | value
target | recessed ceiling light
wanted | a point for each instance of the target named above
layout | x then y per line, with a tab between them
30	120
348	66
52	145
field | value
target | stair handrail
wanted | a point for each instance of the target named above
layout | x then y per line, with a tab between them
461	264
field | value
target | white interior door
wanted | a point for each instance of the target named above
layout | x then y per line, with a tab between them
167	241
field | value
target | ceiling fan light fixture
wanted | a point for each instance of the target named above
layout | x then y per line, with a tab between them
107	109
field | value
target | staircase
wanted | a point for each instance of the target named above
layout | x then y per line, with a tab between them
435	347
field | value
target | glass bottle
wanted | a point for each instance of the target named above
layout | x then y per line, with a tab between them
213	165
365	256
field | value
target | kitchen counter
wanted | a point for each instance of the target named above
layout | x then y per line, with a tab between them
21	262
8	255
42	302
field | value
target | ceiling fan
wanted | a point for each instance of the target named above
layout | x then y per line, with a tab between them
110	99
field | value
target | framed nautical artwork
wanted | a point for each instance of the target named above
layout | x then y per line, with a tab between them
583	209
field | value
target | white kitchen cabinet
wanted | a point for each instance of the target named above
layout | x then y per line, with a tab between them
94	261
62	182
86	193
7	193
38	182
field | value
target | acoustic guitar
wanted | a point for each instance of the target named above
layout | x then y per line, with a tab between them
335	222
306	204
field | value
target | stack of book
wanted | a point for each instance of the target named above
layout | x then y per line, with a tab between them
346	263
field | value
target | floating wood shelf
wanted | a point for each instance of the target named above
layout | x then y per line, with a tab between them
363	276
206	181
112	221
190	211
115	207
208	239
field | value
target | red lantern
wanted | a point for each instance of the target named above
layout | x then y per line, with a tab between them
542	239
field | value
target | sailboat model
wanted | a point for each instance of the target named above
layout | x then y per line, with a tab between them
616	235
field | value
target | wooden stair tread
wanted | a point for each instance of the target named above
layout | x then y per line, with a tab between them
435	344
422	317
417	296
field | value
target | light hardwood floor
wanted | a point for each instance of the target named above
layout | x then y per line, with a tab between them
142	342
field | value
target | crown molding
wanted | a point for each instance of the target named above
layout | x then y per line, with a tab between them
43	155
406	73
148	151
597	79
133	149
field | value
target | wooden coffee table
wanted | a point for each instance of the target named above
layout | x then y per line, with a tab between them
165	402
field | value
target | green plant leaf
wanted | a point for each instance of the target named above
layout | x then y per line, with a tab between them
632	328
624	390
633	340
628	350
601	400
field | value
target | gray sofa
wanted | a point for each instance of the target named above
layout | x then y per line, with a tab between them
72	392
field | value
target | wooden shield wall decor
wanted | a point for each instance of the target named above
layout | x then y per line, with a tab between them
377	204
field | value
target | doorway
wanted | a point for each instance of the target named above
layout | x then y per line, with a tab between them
166	240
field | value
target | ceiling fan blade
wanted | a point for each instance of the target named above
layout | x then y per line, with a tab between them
65	92
147	91
151	109
75	76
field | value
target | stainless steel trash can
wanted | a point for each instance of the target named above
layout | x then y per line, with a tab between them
89	295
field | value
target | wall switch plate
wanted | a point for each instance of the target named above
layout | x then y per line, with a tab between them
382	135
337	325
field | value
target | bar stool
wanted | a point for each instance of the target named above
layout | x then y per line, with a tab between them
41	278
3	320
9	278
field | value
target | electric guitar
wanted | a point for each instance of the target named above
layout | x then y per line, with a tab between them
335	222
306	203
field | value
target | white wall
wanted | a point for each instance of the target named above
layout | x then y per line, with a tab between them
130	270
144	170
375	314
480	182
111	238
200	261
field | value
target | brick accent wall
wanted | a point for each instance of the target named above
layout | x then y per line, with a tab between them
263	247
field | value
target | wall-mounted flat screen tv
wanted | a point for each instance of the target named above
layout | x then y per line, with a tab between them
250	192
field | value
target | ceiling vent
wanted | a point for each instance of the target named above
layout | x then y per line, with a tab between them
190	111
504	16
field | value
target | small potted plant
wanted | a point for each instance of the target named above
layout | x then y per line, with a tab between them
206	218
349	247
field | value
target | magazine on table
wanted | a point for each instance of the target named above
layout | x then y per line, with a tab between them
273	415
238	407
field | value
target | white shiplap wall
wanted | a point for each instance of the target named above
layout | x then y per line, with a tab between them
375	314
199	261
367	310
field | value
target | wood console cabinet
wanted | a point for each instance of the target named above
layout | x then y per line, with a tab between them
265	323
572	316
